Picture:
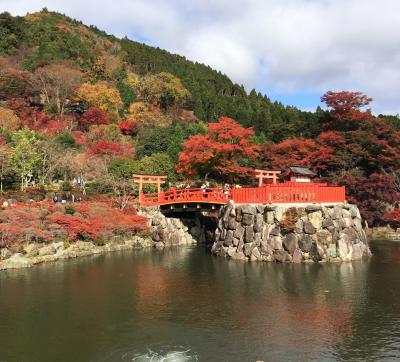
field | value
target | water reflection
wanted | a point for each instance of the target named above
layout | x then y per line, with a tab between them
146	304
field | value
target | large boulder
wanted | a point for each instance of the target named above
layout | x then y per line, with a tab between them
248	209
309	228
305	243
31	250
281	256
47	250
276	242
324	237
317	252
5	253
255	254
290	243
17	261
247	219
297	256
315	219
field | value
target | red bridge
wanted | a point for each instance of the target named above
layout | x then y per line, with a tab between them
196	199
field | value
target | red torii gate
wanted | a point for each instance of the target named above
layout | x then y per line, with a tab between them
267	175
149	179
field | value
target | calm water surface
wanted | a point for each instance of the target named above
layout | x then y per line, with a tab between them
186	305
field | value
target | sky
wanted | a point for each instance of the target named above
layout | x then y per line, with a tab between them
291	50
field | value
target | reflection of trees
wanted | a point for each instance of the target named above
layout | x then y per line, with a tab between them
263	307
376	314
247	311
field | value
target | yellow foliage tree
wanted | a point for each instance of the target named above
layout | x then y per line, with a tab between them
9	121
141	112
133	81
100	95
163	90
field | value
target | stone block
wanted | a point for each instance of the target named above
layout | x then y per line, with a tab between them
280	213
239	232
258	223
249	234
269	217
337	212
247	219
229	238
297	256
260	208
255	254
311	208
299	226
317	252
309	228
315	218
305	243
327	222
47	250
248	248
276	242
232	224
324	237
275	231
248	209
290	243
281	256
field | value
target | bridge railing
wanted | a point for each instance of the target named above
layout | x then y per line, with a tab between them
293	193
210	195
278	193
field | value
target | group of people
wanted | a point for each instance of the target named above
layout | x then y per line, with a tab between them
65	197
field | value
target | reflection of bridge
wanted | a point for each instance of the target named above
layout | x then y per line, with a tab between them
205	199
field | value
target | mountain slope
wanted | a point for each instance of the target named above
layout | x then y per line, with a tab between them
41	38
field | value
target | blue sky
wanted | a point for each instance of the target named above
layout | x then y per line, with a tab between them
292	50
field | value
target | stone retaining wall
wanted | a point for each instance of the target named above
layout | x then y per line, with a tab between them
290	233
166	231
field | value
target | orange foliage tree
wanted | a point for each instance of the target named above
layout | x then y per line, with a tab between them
226	152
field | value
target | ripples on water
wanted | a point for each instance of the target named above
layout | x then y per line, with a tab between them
156	353
186	305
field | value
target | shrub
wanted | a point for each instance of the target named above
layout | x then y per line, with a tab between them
66	186
69	209
289	220
65	139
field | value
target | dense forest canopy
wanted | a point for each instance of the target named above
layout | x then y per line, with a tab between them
77	102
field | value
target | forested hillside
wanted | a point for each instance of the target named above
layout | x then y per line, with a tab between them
47	37
78	103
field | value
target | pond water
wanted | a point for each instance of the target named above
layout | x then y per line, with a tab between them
185	305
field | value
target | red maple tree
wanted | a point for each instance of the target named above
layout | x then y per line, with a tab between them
226	152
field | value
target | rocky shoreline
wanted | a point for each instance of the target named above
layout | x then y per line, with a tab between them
165	232
311	233
33	254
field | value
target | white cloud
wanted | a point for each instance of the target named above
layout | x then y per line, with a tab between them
281	45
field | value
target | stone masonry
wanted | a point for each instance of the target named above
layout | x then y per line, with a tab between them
297	234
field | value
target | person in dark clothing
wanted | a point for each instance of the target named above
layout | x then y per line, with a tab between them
64	199
55	197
